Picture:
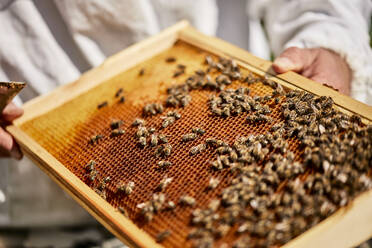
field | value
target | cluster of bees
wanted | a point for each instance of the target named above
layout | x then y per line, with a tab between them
275	195
273	203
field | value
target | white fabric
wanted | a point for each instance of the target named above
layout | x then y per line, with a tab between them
338	25
33	51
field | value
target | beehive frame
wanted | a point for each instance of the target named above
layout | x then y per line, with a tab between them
347	227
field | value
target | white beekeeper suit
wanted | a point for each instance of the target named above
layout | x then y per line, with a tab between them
47	49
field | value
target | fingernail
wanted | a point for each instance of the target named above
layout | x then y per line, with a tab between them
16	153
284	63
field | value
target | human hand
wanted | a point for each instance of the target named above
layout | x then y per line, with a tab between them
318	64
8	146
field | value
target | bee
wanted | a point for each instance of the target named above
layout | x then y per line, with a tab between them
189	137
90	166
168	121
171	205
198	131
117	132
163	138
167	149
164	164
172	101
187	200
116	124
164	183
160	237
154	140
209	61
174	114
211	141
118	92
141	72
103	104
126	188
142	132
122	99
92	175
200	73
213	183
142	141
170	59
152	130
122	210
222	230
94	139
217	164
138	122
197	149
181	66
178	73
185	100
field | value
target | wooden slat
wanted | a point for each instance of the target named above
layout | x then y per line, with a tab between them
107	215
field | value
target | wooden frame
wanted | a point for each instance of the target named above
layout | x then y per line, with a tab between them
339	230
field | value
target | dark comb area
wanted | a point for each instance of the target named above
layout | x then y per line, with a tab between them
66	133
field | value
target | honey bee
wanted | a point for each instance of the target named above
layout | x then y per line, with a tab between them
138	122
154	140
94	139
187	200
164	183
126	188
122	99
142	141
178	73
103	104
189	137
168	121
142	132
92	175
90	166
118	92
141	72
164	164
170	59
197	149
198	131
174	114
163	138
160	237
211	141
117	132
170	205
167	149
213	183
115	124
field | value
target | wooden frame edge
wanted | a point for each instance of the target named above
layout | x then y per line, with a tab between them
123	227
109	68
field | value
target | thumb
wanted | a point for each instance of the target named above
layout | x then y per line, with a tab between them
294	59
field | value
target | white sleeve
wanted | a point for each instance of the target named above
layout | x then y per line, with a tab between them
339	25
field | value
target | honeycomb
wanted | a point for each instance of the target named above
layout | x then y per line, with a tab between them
64	132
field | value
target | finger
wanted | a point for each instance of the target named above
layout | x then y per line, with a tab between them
8	146
294	59
11	112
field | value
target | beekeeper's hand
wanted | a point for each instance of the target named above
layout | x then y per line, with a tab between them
8	146
318	64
